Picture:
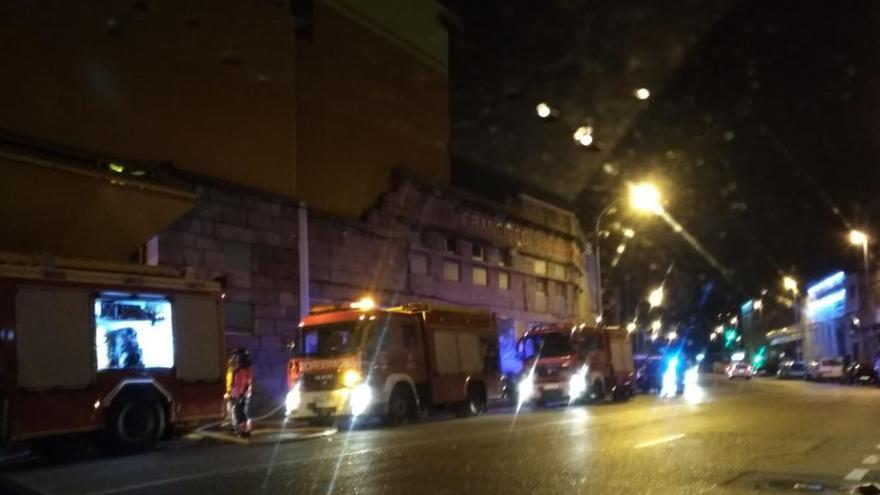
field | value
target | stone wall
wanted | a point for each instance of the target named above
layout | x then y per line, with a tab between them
251	240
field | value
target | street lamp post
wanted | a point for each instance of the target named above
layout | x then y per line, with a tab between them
859	238
643	197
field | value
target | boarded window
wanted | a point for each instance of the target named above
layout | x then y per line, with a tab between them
540	267
503	280
451	270
480	276
239	317
418	264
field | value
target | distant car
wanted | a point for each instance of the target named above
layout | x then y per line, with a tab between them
861	373
739	370
825	369
792	369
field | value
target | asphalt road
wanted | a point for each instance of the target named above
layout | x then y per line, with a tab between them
724	437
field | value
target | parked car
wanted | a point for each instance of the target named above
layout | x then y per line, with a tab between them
739	369
825	369
792	369
861	373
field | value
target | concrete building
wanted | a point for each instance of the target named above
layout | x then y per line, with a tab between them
302	162
827	320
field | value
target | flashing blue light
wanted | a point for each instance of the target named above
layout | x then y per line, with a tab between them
747	306
826	303
700	357
826	283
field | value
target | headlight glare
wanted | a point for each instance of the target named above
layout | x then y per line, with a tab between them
351	378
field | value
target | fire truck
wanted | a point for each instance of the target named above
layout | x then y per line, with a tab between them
359	360
116	351
572	362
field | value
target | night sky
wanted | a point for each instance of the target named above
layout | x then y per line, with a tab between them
762	131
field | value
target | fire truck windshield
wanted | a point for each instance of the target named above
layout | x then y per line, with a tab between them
332	339
547	344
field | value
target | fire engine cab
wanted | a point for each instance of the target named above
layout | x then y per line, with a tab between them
128	351
358	359
571	362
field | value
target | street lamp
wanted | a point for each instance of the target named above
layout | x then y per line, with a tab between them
791	285
645	197
631	327
859	238
655	298
656	325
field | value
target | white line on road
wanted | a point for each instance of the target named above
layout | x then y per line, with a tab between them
658	441
871	459
856	474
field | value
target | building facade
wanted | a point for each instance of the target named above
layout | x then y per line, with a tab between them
301	163
419	243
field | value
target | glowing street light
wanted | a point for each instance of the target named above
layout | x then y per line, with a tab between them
631	327
642	93
672	335
628	233
789	284
543	110
645	197
757	305
655	298
656	325
858	238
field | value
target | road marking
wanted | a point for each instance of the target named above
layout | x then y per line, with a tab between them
871	459
856	474
658	441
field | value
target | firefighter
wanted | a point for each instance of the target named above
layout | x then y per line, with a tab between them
240	382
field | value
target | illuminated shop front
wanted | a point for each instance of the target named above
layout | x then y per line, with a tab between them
828	317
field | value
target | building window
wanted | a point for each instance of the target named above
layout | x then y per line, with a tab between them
418	264
480	276
479	253
239	316
451	270
505	258
503	280
450	245
559	288
541	286
556	270
237	256
540	267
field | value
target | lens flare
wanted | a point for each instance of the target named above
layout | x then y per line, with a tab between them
669	386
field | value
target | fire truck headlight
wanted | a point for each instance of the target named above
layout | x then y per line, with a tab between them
351	378
293	399
360	399
525	388
577	384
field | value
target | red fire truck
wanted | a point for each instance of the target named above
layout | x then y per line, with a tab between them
571	362
127	351
357	359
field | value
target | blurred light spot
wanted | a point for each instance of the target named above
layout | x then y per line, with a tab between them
642	93
586	140
581	131
728	136
621	248
609	168
543	110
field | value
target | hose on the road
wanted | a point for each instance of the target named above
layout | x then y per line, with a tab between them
227	421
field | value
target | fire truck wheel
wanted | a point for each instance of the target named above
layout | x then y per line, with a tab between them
475	404
135	425
400	406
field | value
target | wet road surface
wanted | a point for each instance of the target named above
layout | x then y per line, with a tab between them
722	437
